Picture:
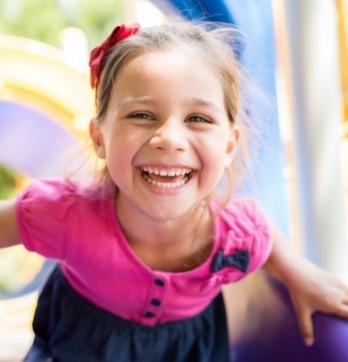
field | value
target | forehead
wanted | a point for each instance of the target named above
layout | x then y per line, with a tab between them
168	68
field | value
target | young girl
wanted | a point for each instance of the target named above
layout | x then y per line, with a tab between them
143	253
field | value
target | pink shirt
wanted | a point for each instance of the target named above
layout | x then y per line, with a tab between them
60	220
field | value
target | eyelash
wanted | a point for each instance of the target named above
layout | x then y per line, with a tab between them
140	116
200	119
193	118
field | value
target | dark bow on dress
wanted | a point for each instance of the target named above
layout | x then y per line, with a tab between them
240	260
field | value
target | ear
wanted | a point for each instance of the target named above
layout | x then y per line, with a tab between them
96	135
232	145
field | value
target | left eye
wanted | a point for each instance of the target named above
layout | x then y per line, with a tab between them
198	119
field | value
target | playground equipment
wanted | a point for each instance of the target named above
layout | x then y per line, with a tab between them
45	106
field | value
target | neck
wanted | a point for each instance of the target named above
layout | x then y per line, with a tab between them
169	245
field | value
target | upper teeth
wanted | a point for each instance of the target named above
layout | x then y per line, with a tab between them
166	172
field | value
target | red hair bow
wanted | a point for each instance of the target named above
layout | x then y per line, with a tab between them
97	54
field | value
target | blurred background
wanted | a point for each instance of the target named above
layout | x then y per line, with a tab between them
296	52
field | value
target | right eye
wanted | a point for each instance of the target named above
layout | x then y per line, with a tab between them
141	115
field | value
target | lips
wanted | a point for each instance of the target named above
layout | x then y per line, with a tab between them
166	177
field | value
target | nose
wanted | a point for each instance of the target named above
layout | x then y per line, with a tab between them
170	136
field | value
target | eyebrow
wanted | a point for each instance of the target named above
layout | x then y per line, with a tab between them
203	102
149	100
132	100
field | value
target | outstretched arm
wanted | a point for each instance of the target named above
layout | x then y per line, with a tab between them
311	288
9	235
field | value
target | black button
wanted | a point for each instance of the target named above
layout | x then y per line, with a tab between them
155	302
149	315
159	282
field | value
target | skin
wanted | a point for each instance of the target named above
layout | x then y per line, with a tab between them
167	112
9	235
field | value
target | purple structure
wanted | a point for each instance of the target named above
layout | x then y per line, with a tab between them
268	328
31	142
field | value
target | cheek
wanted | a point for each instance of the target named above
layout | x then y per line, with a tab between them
121	152
214	159
116	155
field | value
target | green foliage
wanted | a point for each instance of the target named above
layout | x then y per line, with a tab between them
8	184
44	19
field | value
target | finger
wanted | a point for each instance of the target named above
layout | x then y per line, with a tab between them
305	322
345	301
342	310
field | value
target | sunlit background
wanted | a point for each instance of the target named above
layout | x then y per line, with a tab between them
46	104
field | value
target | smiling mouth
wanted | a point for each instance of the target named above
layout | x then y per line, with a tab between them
166	177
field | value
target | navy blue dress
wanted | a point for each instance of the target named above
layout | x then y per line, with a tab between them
68	328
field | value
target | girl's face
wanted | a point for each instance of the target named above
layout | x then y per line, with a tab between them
166	136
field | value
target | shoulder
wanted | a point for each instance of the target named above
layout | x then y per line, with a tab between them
43	193
244	217
50	187
55	190
50	212
243	226
52	196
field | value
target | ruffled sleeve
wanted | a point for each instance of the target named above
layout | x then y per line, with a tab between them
44	214
245	240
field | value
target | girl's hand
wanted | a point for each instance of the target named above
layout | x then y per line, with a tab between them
311	288
314	290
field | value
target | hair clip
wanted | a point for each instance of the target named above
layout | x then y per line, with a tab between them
97	55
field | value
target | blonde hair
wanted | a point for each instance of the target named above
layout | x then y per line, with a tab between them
214	44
